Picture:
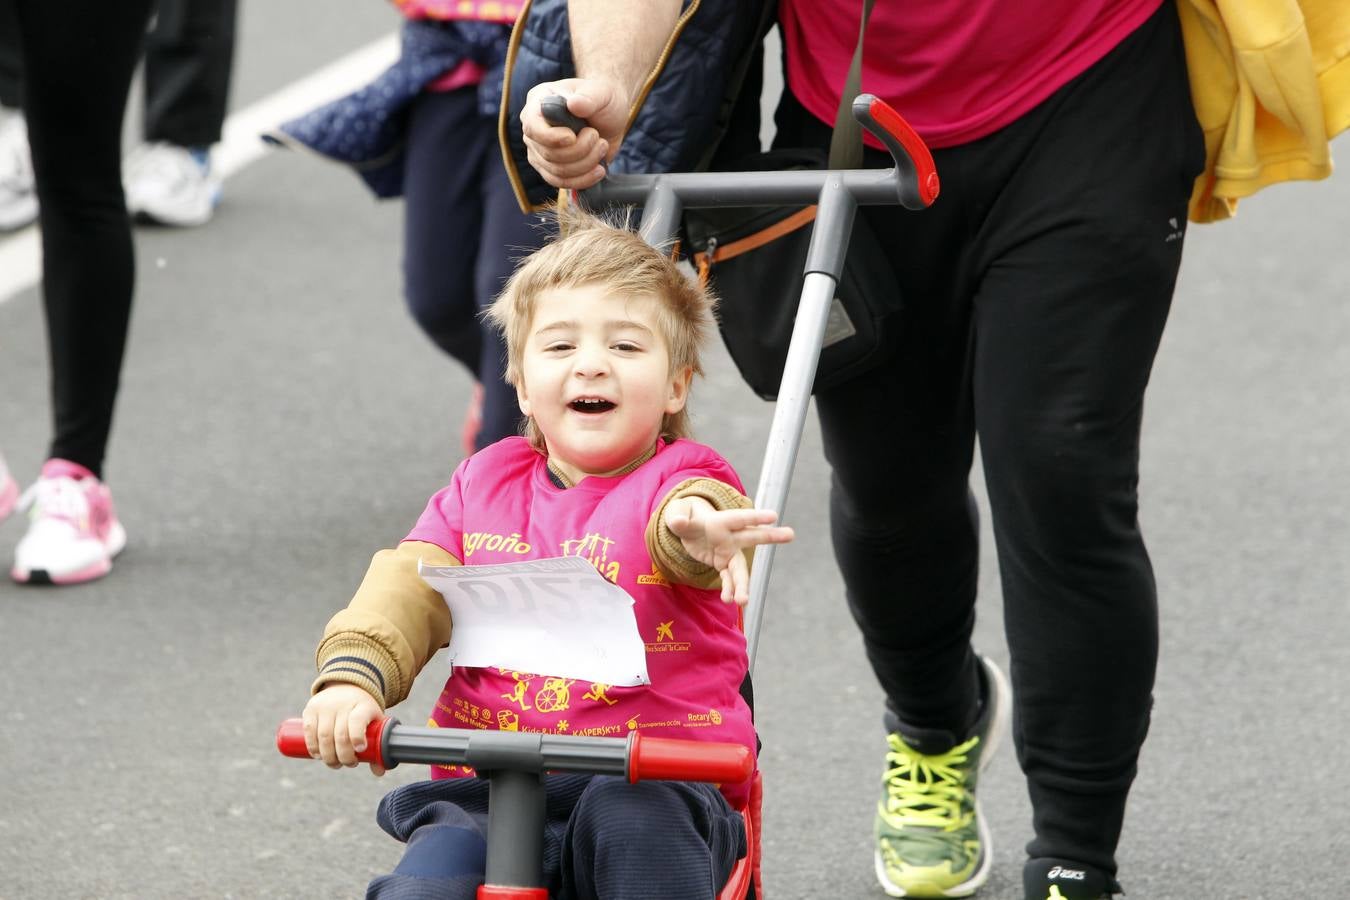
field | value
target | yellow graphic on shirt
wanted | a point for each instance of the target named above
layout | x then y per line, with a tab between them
702	720
508	721
432	723
517	694
466	714
633	723
554	696
564	725
597	693
654	578
594	548
665	640
486	540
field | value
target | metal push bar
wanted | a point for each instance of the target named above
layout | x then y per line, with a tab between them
515	762
912	183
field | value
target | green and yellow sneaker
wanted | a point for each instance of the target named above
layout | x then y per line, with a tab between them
931	840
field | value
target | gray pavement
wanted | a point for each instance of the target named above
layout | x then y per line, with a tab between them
281	418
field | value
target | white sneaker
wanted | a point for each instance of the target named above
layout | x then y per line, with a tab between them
171	185
18	193
73	533
9	491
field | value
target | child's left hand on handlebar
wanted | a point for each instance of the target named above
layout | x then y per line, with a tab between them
336	719
716	538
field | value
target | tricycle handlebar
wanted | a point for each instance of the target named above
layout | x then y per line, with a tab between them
636	757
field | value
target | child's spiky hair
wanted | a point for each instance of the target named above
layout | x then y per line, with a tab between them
591	250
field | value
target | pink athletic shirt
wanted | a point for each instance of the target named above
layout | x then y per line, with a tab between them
956	70
500	506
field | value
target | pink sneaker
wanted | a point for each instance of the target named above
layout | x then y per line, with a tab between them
9	491
73	533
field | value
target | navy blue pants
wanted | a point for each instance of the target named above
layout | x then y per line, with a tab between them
463	233
604	839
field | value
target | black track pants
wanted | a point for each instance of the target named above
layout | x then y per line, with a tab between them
1036	291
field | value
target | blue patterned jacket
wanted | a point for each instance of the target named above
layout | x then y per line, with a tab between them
367	129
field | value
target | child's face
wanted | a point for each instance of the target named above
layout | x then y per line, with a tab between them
595	375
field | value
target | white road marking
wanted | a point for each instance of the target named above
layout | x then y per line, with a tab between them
21	252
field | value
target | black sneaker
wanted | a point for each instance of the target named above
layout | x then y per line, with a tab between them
1060	879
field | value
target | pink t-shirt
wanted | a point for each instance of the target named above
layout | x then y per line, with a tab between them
956	70
500	506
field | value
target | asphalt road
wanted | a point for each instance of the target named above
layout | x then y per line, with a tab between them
281	418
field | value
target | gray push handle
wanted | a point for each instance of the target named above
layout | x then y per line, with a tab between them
912	183
554	108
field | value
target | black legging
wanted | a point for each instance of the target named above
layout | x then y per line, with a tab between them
78	60
1036	289
189	55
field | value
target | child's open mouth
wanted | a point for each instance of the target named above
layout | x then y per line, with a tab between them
591	405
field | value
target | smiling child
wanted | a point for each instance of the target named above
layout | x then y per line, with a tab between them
603	335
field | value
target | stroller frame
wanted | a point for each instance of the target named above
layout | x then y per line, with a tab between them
515	762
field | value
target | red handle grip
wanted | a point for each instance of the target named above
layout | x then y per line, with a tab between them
291	740
669	759
921	186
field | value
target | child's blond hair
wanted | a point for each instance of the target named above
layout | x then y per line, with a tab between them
591	251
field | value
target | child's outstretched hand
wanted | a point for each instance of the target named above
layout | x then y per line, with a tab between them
335	724
716	538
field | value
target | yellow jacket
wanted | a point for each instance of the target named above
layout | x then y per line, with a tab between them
1271	84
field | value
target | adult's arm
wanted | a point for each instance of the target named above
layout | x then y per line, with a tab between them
615	46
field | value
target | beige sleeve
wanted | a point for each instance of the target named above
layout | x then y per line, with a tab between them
394	624
667	551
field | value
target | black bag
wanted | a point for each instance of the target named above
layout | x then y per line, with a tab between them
753	259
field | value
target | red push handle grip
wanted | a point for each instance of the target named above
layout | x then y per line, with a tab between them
669	759
291	740
921	185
